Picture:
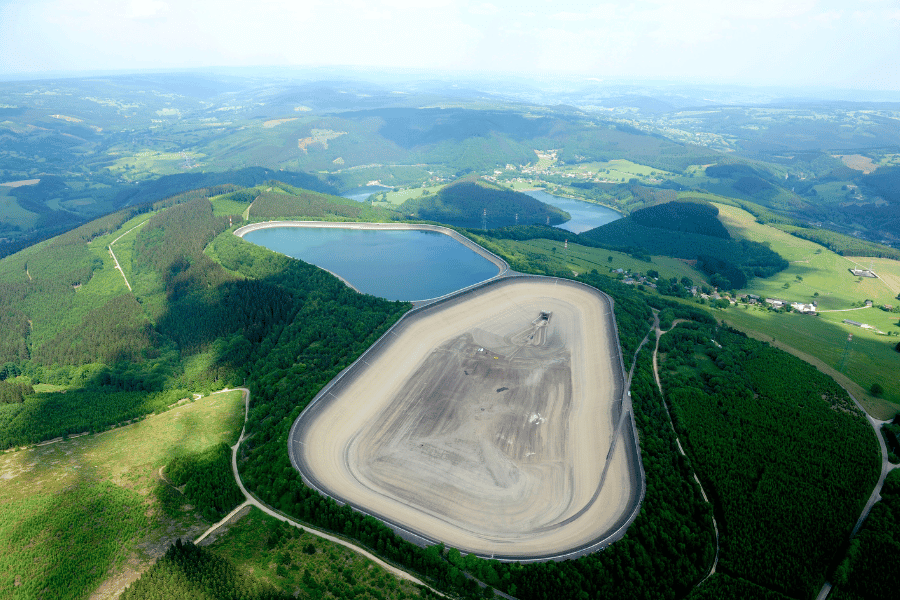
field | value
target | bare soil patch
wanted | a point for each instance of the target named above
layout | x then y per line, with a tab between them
484	422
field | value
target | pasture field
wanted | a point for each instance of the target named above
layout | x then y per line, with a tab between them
123	248
291	560
223	206
88	514
870	358
148	163
616	170
400	196
821	271
816	273
12	213
831	192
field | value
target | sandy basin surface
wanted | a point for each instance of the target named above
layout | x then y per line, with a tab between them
482	423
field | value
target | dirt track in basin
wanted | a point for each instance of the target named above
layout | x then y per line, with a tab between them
482	424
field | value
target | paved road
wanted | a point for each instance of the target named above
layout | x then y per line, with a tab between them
251	500
886	467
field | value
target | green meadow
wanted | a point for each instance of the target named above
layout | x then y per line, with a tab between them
396	198
12	213
92	509
818	274
224	206
584	259
618	170
147	163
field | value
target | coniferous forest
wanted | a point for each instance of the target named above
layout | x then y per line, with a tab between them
784	451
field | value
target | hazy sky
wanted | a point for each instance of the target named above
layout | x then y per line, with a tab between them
802	42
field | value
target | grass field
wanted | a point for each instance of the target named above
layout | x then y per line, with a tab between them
223	207
123	248
147	163
821	270
12	213
399	197
300	563
868	359
617	170
583	259
86	515
816	273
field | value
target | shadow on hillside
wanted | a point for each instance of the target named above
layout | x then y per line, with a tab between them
64	544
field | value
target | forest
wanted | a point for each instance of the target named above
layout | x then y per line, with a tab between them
688	216
283	201
194	573
207	480
872	566
784	451
689	231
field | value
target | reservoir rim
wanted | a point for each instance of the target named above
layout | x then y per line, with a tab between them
631	441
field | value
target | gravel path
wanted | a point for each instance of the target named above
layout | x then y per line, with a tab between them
113	254
251	500
659	334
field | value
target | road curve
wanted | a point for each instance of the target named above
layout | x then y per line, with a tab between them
251	500
659	334
875	496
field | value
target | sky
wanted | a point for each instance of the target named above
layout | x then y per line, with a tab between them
824	43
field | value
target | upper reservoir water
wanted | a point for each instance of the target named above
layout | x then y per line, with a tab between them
392	264
585	215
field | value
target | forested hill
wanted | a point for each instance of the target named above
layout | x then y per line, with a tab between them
689	217
463	204
170	185
691	231
53	222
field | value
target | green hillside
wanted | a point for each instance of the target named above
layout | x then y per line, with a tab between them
466	202
691	231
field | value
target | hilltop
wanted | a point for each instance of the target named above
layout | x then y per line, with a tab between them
466	202
691	231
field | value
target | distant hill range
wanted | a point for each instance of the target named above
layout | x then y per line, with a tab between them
472	202
691	231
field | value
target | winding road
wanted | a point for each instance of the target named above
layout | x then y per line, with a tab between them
251	500
886	466
659	334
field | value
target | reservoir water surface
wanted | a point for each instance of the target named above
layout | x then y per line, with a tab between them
585	215
392	264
